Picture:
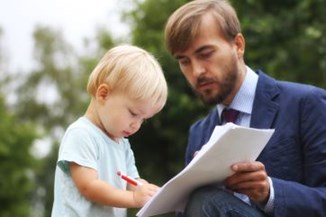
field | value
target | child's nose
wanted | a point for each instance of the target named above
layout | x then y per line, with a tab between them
136	125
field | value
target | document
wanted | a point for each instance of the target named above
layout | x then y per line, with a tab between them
227	145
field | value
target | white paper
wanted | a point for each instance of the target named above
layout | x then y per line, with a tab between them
227	145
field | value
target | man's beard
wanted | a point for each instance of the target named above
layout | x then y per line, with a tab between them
227	85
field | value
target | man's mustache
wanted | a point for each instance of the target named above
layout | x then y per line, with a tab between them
203	80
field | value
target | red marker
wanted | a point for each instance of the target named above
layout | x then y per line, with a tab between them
129	179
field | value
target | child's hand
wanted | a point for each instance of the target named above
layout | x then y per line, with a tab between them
142	181
133	187
143	193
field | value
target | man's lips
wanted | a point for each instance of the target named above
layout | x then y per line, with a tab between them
204	85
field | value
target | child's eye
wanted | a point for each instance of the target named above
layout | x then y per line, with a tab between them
133	113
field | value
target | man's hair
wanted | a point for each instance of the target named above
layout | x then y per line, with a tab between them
183	25
132	71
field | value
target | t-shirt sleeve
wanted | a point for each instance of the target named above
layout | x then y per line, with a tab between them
77	146
131	163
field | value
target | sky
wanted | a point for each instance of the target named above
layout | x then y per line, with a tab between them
77	19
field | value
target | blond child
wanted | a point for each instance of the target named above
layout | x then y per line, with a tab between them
126	88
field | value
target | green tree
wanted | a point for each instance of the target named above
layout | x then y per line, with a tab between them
51	93
285	38
17	163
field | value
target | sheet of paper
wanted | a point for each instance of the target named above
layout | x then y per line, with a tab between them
227	145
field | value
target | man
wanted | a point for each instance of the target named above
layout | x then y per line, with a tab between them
289	176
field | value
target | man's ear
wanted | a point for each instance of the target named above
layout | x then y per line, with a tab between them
240	45
102	92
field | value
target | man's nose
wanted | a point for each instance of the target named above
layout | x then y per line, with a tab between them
197	68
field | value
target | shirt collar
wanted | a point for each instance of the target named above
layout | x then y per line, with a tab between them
244	99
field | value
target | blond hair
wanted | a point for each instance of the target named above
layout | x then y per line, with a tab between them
183	25
132	71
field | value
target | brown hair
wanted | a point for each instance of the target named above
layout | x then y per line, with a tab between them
183	25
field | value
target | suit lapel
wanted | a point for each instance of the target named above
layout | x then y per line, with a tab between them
265	105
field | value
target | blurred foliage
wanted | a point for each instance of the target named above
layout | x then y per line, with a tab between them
17	162
283	38
286	38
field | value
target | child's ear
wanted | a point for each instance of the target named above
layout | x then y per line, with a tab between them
102	91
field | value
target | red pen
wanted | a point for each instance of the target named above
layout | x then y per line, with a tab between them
129	179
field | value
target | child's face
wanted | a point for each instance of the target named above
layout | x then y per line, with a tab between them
120	116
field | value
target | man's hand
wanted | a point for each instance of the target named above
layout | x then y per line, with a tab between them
250	178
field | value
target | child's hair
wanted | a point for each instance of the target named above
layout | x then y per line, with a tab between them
132	71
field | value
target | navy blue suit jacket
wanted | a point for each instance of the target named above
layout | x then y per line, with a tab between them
295	156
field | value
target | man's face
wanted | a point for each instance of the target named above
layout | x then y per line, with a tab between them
211	64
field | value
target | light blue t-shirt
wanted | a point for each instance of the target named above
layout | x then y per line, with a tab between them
86	145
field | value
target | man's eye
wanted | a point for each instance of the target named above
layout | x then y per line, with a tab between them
206	54
183	61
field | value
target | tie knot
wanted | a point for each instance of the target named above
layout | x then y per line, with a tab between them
229	115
